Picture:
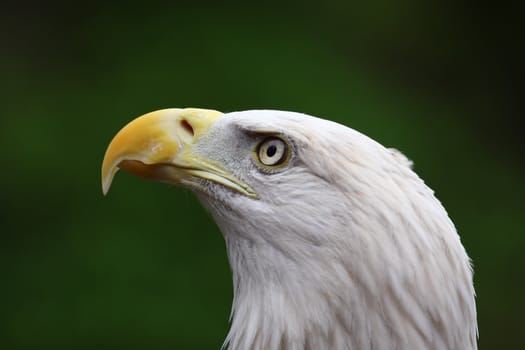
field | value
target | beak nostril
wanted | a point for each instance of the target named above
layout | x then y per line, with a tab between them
187	127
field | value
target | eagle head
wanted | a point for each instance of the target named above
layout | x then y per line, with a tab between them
333	241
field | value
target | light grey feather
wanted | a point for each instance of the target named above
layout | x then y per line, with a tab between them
344	248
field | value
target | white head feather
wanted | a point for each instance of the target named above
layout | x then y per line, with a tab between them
344	248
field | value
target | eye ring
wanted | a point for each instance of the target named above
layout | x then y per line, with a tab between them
272	152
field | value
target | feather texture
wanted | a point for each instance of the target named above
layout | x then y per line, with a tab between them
344	248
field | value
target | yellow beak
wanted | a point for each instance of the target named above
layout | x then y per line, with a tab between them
159	146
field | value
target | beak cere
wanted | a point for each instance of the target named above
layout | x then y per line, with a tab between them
159	146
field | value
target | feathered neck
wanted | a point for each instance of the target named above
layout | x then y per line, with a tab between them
366	289
276	307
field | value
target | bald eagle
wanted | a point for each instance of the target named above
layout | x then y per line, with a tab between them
333	241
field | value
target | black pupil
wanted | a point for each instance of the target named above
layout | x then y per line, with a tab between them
270	152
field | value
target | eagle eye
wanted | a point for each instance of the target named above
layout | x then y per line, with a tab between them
272	151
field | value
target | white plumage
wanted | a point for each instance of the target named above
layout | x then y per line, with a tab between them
344	247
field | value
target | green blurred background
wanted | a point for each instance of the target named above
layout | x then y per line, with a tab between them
145	267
